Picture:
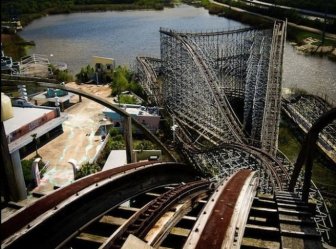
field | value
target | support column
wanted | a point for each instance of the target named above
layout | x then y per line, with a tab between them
20	184
11	164
128	138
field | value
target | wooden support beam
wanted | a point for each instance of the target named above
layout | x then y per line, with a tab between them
128	138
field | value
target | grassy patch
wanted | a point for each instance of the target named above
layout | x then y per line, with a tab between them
298	35
323	175
288	143
14	46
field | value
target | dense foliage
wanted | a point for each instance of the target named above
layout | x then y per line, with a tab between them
122	80
127	99
86	74
11	45
87	169
61	75
27	10
145	145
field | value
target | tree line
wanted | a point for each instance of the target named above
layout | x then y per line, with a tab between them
27	10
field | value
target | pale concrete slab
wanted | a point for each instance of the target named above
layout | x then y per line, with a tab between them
115	159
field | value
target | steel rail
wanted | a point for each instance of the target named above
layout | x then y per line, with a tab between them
214	231
22	218
143	220
105	189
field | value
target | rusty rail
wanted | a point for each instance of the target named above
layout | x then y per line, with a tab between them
26	215
143	220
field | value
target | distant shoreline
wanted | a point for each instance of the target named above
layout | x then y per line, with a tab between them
301	37
15	46
20	47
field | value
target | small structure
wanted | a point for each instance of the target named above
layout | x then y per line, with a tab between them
118	158
35	65
148	116
13	26
39	65
103	64
54	97
29	122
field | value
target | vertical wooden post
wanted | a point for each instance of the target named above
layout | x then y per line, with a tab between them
128	138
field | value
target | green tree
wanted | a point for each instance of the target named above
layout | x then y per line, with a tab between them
60	75
145	145
119	80
86	73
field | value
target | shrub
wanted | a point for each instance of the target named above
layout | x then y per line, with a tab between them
87	169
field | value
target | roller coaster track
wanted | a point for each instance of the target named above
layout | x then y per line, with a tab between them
92	212
143	220
226	209
150	83
262	99
262	94
224	159
304	110
230	121
271	117
66	210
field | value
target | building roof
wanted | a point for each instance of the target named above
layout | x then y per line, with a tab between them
23	116
43	97
136	110
30	117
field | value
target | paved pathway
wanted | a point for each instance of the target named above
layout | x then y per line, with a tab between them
80	141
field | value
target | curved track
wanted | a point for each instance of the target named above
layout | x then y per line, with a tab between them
231	122
66	213
149	83
63	212
224	217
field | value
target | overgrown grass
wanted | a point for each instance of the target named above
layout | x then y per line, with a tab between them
288	143
13	46
323	174
298	35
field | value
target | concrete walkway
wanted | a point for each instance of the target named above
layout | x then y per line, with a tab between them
80	141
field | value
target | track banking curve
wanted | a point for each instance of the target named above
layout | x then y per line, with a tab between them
62	213
68	212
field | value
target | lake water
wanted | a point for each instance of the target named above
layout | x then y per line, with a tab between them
75	38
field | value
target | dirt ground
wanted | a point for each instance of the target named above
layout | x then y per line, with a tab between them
80	140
